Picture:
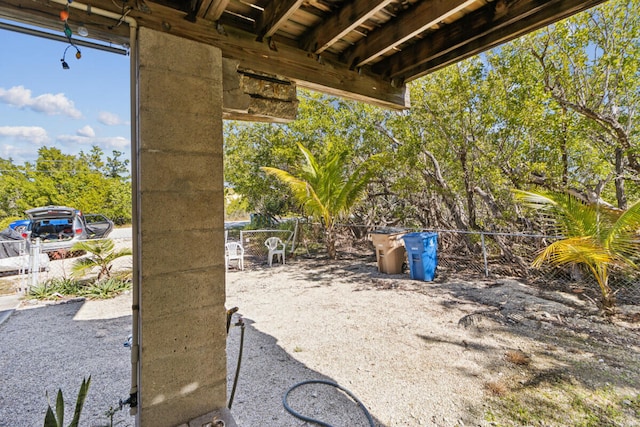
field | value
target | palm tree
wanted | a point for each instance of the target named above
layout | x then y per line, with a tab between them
102	254
326	190
593	234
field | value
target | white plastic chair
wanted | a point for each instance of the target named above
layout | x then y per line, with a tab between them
233	251
276	248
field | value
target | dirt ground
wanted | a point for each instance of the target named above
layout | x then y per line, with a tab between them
441	353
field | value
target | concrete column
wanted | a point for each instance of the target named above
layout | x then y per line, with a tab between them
179	230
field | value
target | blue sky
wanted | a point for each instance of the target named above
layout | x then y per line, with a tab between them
42	105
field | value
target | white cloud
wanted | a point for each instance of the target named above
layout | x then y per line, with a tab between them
117	143
17	96
79	142
86	131
24	141
110	119
19	154
35	135
50	104
75	140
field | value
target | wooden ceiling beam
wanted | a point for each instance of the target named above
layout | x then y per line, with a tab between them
325	74
212	9
477	32
276	15
341	23
47	15
409	24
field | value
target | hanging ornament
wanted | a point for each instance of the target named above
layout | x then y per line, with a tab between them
64	15
82	31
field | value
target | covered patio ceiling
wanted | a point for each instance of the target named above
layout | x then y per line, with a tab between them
361	49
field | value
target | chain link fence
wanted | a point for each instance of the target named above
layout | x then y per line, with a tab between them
461	255
253	242
464	255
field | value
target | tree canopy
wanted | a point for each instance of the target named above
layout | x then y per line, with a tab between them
554	111
84	182
324	188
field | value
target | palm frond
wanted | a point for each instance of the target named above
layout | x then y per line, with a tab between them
96	247
594	234
304	193
569	216
574	251
325	189
101	254
311	163
624	235
81	266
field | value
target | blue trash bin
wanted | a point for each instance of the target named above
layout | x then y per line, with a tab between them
422	254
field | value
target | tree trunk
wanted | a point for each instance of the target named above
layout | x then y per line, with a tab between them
619	180
563	146
468	187
608	298
330	241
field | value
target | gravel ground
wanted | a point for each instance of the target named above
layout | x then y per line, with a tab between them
46	347
415	353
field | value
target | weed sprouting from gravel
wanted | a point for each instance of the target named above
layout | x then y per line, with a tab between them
555	400
517	357
496	388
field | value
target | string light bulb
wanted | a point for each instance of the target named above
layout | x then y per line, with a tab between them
82	30
65	66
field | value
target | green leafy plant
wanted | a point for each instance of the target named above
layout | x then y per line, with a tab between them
595	235
57	419
101	252
107	288
327	190
54	288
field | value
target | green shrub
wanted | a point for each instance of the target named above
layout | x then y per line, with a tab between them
55	288
104	289
62	287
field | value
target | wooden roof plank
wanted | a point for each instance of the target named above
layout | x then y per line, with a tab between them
411	23
275	15
481	30
212	9
46	15
347	19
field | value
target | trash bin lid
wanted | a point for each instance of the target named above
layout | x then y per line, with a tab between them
419	241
